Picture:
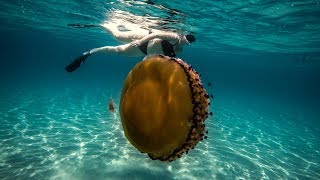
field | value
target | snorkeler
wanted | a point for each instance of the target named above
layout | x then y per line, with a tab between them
140	42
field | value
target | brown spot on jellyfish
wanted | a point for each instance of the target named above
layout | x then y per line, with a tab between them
161	111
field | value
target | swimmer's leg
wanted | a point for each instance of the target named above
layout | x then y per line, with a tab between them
126	50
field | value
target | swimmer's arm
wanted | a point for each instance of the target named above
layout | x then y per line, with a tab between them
168	36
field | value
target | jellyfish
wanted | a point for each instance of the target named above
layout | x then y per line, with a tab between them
163	107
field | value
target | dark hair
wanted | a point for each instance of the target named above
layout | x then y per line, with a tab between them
190	38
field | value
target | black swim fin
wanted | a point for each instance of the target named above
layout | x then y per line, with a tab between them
77	62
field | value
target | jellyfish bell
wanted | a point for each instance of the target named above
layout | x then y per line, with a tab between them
163	107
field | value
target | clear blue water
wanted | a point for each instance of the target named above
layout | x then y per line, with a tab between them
262	57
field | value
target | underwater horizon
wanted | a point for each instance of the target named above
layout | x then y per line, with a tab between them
261	58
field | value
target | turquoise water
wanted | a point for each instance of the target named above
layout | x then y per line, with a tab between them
262	57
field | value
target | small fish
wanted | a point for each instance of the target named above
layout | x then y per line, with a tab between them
111	105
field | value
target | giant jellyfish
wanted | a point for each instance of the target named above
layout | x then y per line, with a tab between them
163	107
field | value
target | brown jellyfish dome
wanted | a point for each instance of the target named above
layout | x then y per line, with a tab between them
163	107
